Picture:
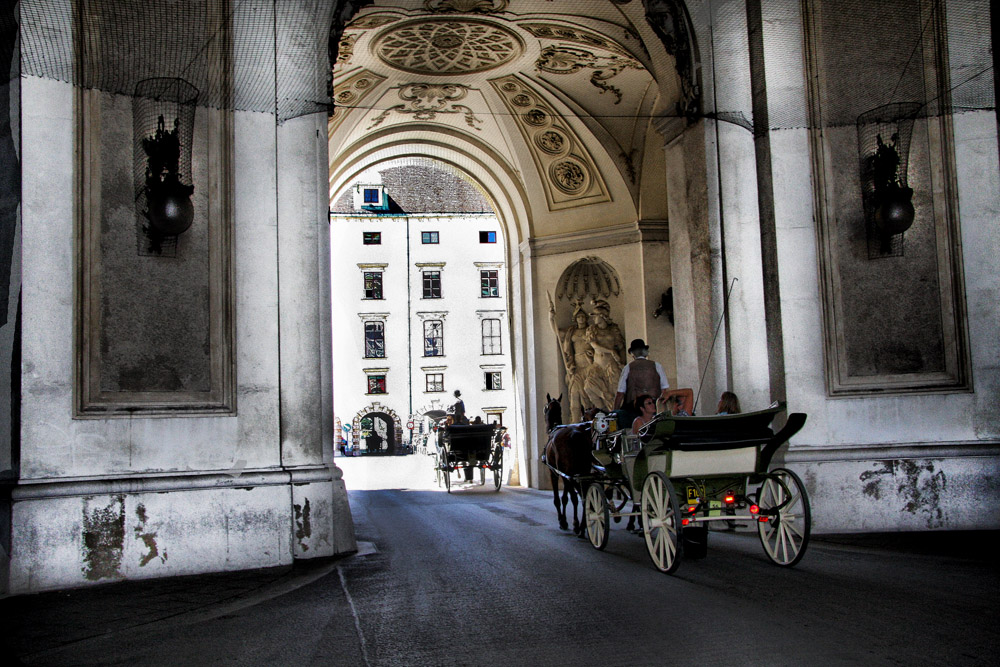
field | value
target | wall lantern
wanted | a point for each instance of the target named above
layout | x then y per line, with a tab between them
884	135
163	112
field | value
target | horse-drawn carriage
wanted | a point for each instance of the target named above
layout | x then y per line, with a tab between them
678	475
460	447
683	473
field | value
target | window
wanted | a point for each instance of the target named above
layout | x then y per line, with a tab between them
491	337
435	382
490	283
373	284
371	196
432	284
487	237
428	237
433	338
371	238
376	384
374	340
493	380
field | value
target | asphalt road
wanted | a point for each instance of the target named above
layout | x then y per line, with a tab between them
477	577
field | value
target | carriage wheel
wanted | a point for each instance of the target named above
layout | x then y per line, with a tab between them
660	522
786	535
596	514
446	473
497	468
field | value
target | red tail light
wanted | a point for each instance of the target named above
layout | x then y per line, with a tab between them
762	519
730	499
685	522
754	509
692	509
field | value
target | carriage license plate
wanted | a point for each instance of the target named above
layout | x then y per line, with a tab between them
692	495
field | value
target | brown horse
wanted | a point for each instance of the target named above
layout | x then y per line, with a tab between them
567	454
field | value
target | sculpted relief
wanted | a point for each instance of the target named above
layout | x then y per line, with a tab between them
593	355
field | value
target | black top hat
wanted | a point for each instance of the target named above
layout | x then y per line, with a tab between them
637	344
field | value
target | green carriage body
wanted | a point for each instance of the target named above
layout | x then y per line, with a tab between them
700	470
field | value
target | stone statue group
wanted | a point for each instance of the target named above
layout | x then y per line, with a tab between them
593	354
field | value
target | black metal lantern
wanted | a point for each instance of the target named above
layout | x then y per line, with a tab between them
883	149
163	127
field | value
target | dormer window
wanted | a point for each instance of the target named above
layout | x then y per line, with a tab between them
370	198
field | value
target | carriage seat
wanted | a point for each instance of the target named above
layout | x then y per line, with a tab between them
715	432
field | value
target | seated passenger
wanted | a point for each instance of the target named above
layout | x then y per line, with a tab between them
645	405
729	404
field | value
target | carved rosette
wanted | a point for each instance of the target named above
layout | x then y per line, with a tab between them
350	93
565	167
446	46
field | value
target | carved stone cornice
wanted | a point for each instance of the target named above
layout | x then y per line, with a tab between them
647	231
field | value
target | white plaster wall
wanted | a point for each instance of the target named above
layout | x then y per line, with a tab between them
161	534
55	445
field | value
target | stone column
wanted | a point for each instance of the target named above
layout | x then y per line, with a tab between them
321	514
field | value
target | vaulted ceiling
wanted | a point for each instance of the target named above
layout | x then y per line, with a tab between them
560	95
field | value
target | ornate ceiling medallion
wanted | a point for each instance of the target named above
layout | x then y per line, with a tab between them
447	46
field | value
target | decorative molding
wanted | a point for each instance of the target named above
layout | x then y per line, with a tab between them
596	239
447	46
670	21
372	21
237	477
429	265
100	276
432	315
567	60
833	212
424	101
372	265
465	6
433	369
351	92
488	265
573	34
491	314
345	51
373	317
567	171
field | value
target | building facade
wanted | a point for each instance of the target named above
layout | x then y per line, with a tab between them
419	262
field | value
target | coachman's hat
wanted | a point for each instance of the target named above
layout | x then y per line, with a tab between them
637	344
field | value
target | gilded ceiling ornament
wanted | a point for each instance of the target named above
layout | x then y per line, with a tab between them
447	46
566	60
465	6
426	100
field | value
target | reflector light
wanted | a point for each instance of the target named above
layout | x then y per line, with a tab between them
762	519
685	522
754	509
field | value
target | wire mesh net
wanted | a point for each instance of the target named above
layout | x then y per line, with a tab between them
247	55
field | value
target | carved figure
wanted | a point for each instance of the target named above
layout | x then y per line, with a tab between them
577	357
608	343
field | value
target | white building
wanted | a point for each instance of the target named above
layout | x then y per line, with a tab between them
419	265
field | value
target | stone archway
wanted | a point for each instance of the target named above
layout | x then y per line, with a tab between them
377	429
